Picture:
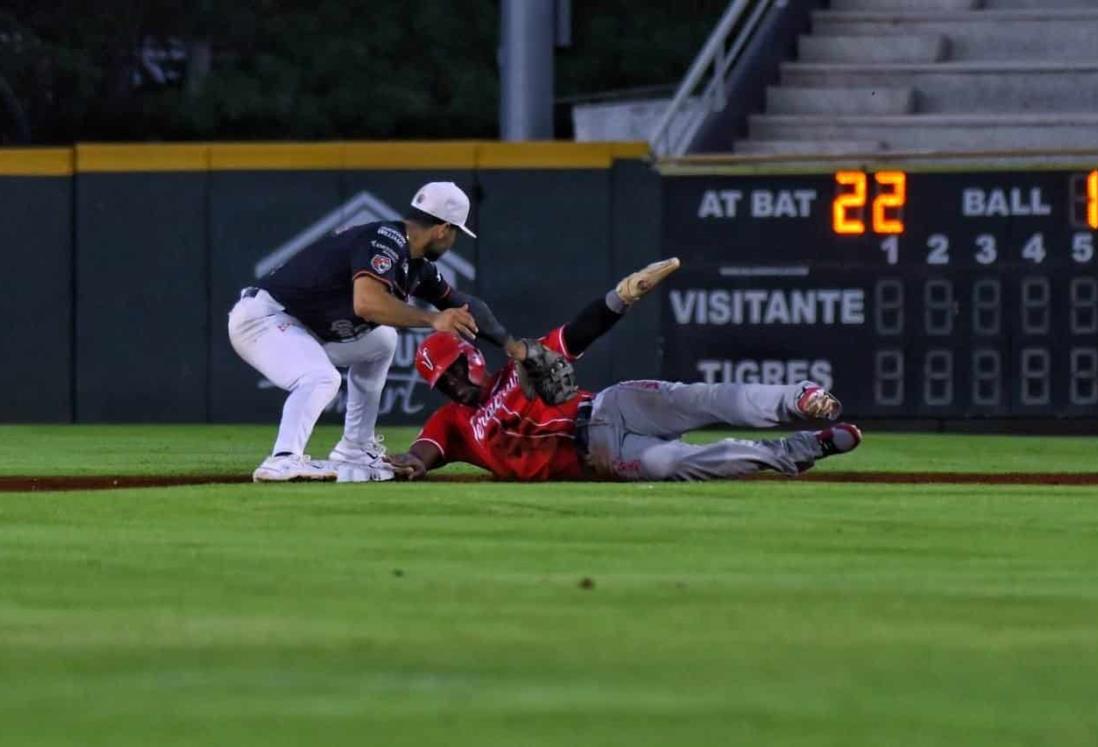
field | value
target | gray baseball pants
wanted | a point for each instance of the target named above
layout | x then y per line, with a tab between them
636	426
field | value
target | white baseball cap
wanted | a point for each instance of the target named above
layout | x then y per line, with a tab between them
445	201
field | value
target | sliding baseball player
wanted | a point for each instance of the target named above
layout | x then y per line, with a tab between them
630	431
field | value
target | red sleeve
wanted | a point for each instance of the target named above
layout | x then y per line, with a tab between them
555	342
442	432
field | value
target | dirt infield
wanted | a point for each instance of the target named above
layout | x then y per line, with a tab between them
23	483
18	483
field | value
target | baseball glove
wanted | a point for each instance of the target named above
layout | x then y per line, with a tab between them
546	375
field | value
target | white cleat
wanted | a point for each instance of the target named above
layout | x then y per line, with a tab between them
360	462
814	401
367	452
633	287
292	468
351	472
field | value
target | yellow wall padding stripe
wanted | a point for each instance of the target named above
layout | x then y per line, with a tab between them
330	156
629	149
421	155
548	154
407	154
36	162
102	157
276	156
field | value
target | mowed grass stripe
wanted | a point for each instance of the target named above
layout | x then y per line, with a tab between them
720	613
52	450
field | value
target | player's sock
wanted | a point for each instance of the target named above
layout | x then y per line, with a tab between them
282	453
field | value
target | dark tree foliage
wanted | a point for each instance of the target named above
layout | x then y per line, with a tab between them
295	70
621	44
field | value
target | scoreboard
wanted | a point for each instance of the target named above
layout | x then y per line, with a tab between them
923	294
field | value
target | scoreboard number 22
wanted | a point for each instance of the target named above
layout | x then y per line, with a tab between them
848	216
875	202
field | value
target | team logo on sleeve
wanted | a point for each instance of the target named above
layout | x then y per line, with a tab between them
381	264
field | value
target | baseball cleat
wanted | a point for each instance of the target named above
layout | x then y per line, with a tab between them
816	402
292	468
838	439
373	472
633	287
366	452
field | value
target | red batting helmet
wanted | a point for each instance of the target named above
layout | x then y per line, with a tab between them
441	350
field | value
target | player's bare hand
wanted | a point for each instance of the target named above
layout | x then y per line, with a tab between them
406	466
458	321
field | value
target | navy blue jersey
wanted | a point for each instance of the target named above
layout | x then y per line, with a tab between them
317	285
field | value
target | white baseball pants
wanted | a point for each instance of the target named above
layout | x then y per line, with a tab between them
294	359
636	426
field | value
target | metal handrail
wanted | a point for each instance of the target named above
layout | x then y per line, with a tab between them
713	55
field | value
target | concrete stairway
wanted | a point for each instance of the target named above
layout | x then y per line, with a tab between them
936	75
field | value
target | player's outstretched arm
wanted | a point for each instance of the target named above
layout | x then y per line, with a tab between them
415	463
374	303
488	326
598	317
434	289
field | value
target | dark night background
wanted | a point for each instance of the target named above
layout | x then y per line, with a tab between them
75	70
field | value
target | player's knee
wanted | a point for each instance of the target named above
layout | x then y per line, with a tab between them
384	342
323	380
660	464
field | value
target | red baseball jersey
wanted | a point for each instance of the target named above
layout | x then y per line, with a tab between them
510	434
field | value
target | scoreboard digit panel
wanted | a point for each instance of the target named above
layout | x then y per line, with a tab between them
917	294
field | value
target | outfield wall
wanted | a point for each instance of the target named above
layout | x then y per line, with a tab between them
123	261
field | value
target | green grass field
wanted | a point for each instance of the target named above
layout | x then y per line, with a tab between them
758	613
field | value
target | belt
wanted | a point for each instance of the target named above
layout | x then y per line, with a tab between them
249	292
583	420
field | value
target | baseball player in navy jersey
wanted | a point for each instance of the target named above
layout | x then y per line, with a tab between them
336	305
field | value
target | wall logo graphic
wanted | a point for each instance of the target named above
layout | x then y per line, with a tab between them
403	388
